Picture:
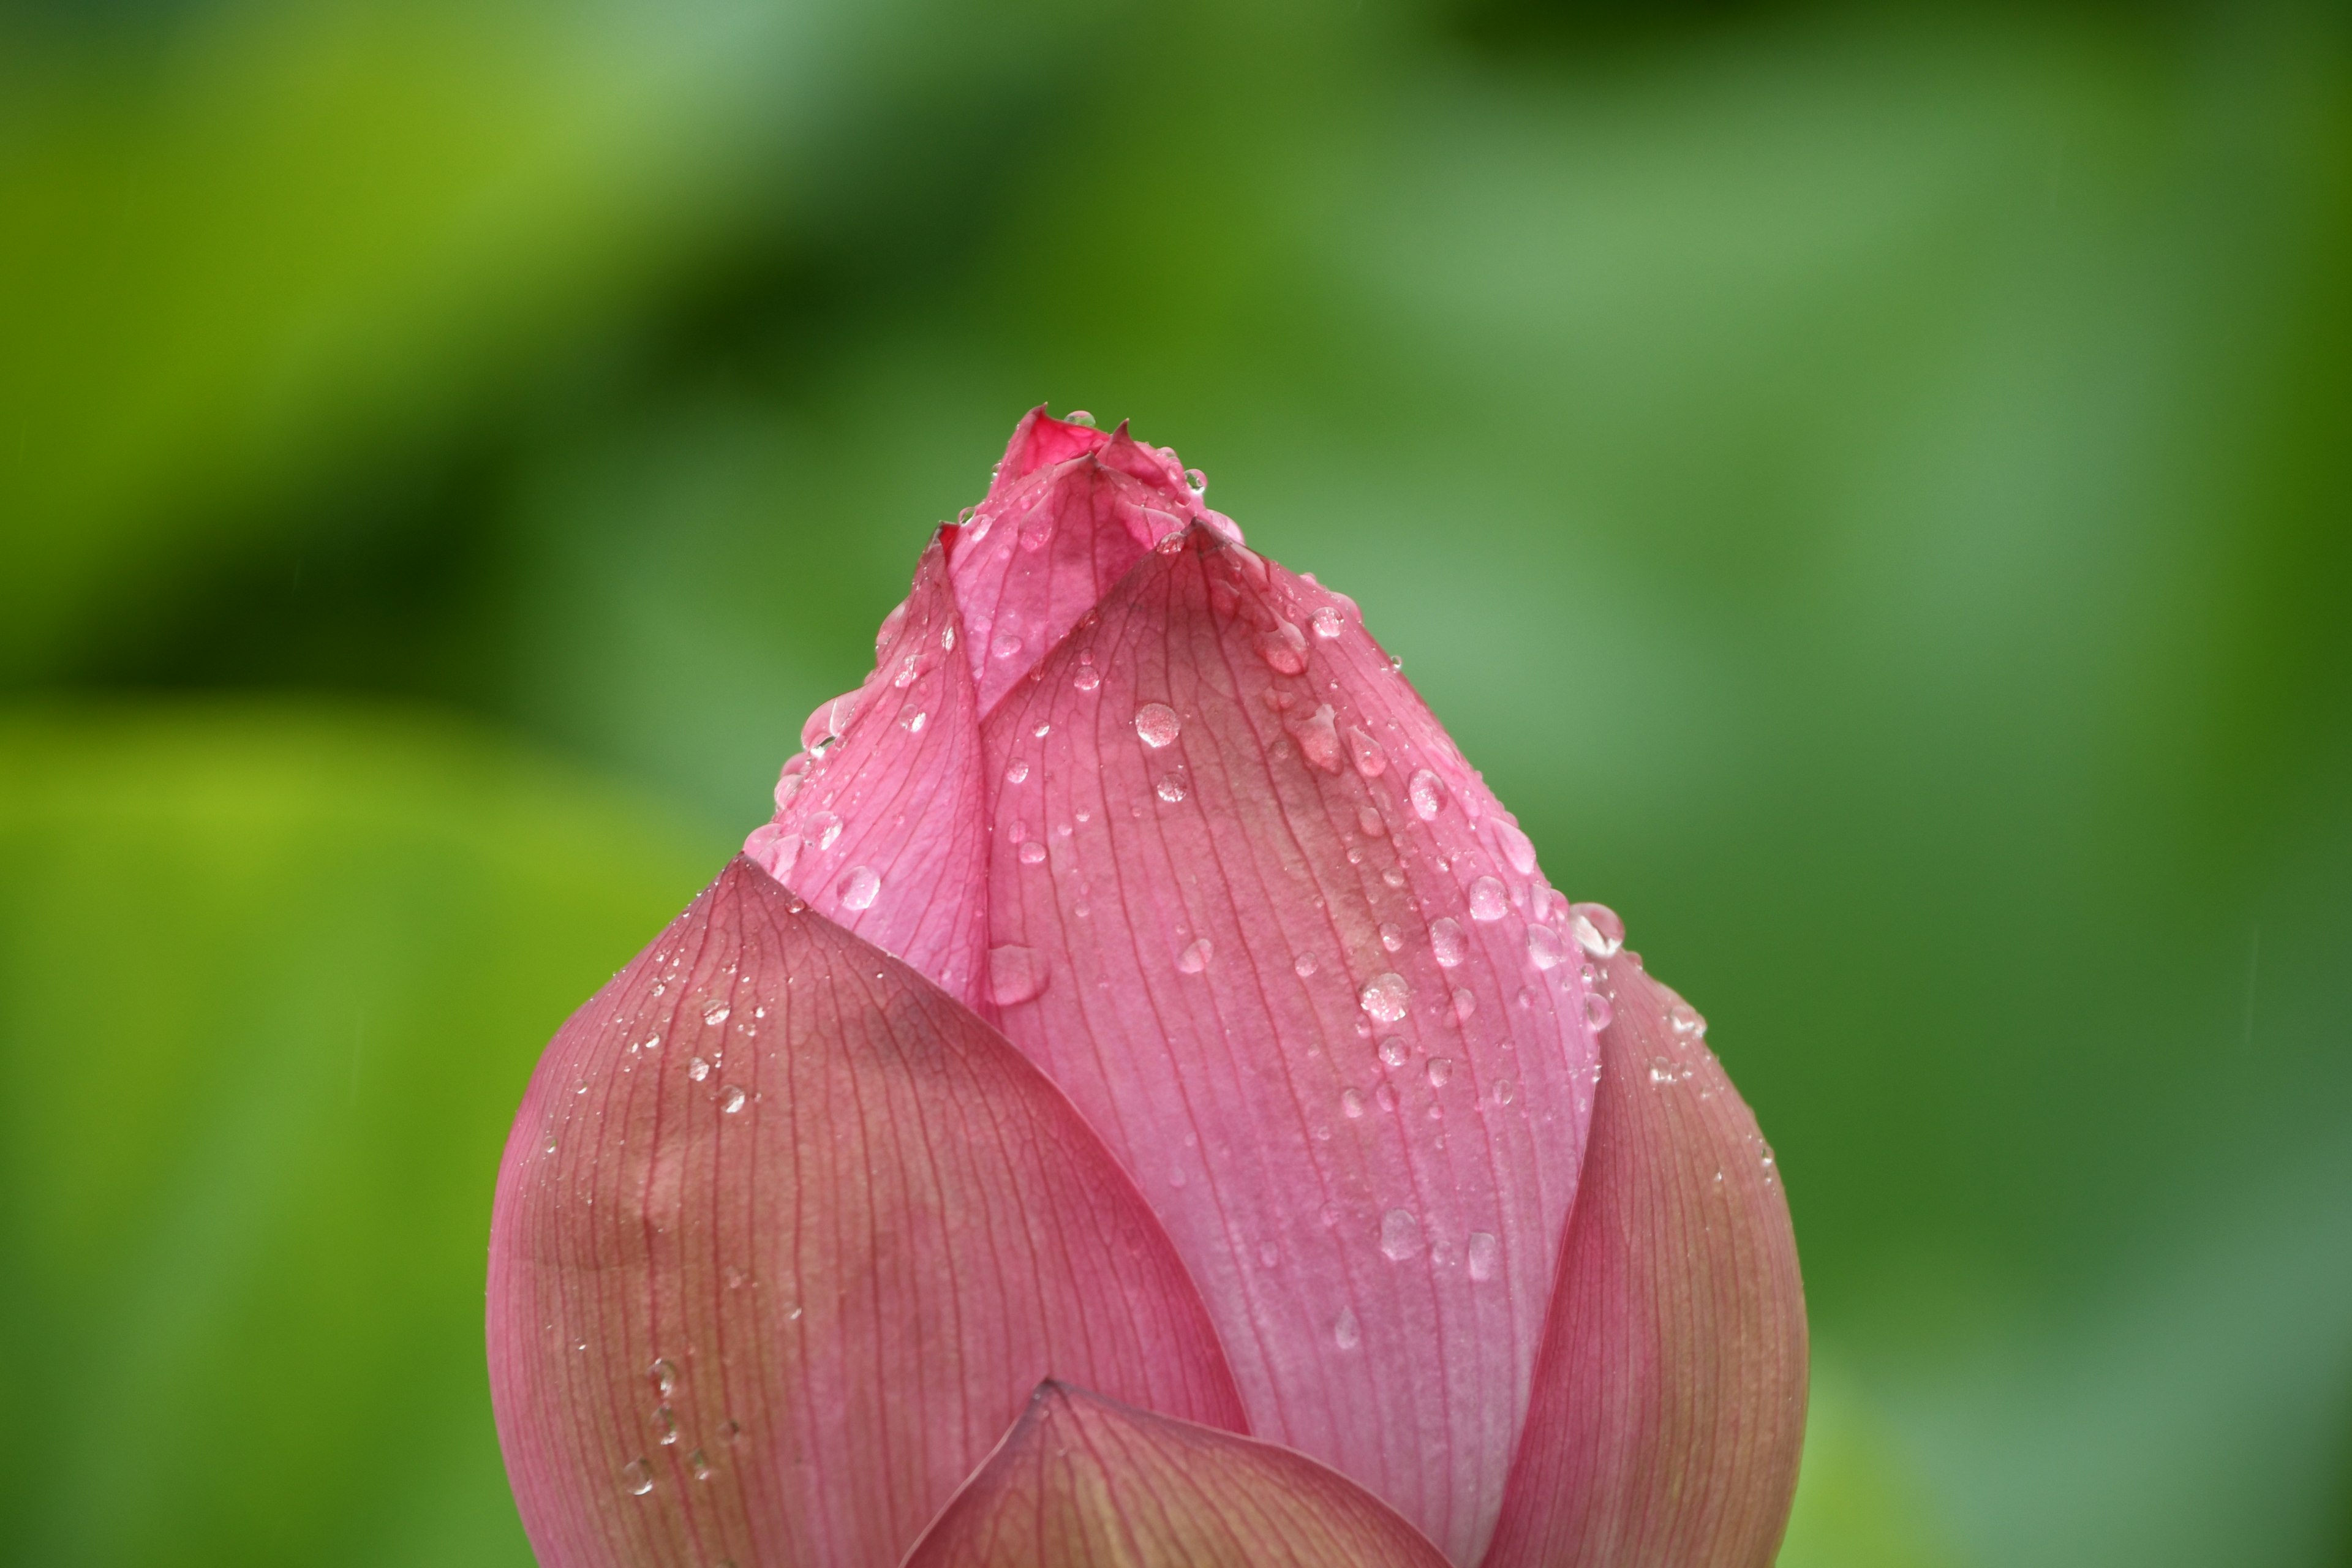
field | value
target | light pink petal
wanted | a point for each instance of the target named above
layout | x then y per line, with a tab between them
1072	509
885	833
1084	1482
784	1237
1240	918
1669	1399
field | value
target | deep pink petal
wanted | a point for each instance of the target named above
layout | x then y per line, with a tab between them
1228	928
1082	1482
1669	1399
1072	509
885	832
784	1237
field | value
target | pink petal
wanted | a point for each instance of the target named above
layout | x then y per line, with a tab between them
1670	1400
784	1237
1072	509
1082	1482
885	833
1257	860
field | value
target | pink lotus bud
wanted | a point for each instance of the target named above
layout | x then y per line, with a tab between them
1146	1001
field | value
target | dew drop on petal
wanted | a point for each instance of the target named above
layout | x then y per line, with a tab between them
1546	949
1033	852
732	1100
1516	847
700	1463
1485	1255
1327	622
1384	1096
1156	725
1686	1019
715	1013
1391	936
1369	819
1369	759
822	829
1195	956
663	1373
1448	940
1399	1235
1346	1332
1018	772
1003	645
1284	648
698	1069
1015	974
1042	728
1385	997
1351	1103
1441	1071
859	887
1427	793
1465	1004
1597	929
1171	788
1597	1011
1087	678
1394	1051
1393	876
1304	965
636	1478
1487	899
1078	416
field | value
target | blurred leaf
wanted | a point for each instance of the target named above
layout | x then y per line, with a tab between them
271	982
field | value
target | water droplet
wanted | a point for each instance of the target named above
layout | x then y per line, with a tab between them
1033	852
1441	1071
1597	929
1346	1332
1171	788
1284	648
666	1425
700	1463
1546	949
1399	1235
1078	416
1384	1096
1597	1011
731	1430
1448	941
947	633
1327	622
1003	645
1385	996
1318	739
907	666
665	1376
1015	974
1369	759
1465	1004
636	1478
1351	1103
1369	819
715	1013
1427	793
1394	1051
822	829
1042	728
1304	965
1087	677
1505	1091
732	1100
1485	1255
1018	772
698	1069
1391	936
1393	876
1489	901
1686	1019
1156	725
1516	849
1197	480
858	887
913	722
1195	956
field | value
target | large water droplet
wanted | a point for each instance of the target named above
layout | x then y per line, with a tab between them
1327	622
1303	965
1441	1071
1448	940
1318	739
1489	901
1485	1255
1687	1020
1351	1103
1018	772
1391	936
1385	996
663	1373
1516	849
1156	725
1597	929
1427	793
1015	974
1284	648
1369	759
1345	1332
1195	956
1003	645
1078	416
636	1478
859	887
698	1069
1597	1011
732	1100
1394	1051
821	829
1033	852
1399	1235
1087	677
1546	949
1171	788
715	1013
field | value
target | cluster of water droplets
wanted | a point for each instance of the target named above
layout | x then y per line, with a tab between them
638	1475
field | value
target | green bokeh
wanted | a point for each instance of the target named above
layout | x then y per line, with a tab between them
1869	487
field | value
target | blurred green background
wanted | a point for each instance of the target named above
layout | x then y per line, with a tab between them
1872	487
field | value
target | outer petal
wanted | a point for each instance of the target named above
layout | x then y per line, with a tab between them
1670	1401
1358	1106
1072	509
784	1237
885	832
1081	1481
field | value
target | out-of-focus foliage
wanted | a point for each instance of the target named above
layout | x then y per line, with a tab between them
1868	487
